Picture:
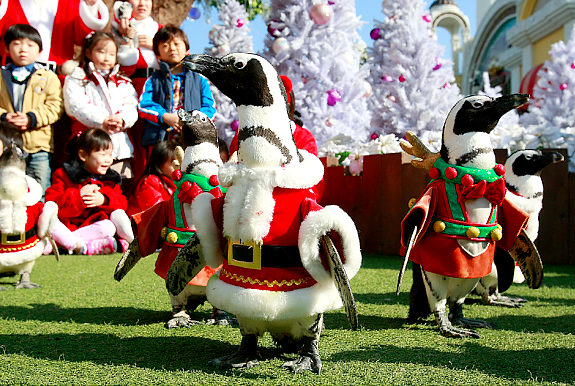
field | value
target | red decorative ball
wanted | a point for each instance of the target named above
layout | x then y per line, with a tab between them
374	136
176	175
499	169
214	180
563	86
240	23
434	173
401	78
186	186
467	180
451	173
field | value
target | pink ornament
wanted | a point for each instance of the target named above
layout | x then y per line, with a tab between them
499	169
391	98
573	65
387	78
368	90
446	85
329	122
374	136
280	45
375	33
401	78
451	173
333	96
356	167
331	2
240	23
321	14
563	86
235	124
427	18
438	64
467	180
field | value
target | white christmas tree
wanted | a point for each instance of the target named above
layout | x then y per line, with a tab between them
413	86
317	45
551	119
508	134
233	35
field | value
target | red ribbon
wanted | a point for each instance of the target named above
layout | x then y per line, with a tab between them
189	191
494	192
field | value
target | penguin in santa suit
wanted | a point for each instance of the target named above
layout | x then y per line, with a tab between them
24	220
266	231
451	231
524	189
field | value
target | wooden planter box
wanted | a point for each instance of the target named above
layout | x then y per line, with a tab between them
378	199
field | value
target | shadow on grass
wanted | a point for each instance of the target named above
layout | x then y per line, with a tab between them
50	312
528	365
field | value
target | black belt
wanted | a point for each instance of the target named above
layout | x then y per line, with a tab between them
273	256
16	238
143	72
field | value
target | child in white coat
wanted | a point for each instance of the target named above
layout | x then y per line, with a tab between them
97	96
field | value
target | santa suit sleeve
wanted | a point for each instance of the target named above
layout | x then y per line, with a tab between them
512	221
420	215
147	225
333	221
207	212
65	194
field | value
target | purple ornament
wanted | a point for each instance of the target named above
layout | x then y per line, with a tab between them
387	78
438	64
374	136
426	18
563	86
235	124
194	13
240	23
333	96
331	2
375	33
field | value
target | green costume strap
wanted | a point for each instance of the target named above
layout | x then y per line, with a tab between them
180	233
453	175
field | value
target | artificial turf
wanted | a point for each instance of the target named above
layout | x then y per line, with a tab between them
82	327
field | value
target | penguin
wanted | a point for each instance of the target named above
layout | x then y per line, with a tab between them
266	230
25	222
168	225
451	231
525	190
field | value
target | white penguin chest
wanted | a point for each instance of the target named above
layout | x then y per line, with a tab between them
478	211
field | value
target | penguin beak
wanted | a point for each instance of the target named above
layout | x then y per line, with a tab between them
506	103
204	64
549	157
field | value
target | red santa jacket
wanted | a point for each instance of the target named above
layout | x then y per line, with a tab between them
150	190
438	251
68	26
65	191
30	237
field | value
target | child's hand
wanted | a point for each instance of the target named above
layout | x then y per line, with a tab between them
18	119
145	41
92	200
113	124
172	120
88	189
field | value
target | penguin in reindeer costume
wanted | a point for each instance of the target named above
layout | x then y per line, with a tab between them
25	222
524	189
169	224
451	231
268	228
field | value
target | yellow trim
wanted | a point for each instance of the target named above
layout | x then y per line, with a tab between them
5	241
527	9
542	46
270	284
256	262
21	248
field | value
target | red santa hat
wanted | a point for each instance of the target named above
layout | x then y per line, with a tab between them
288	86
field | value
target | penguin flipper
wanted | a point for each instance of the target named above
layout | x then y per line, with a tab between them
527	257
505	269
405	260
129	259
418	303
187	264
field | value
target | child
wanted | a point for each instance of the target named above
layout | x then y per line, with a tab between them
96	96
30	99
135	28
171	88
157	184
91	203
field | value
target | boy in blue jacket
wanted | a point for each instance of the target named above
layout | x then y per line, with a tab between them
171	88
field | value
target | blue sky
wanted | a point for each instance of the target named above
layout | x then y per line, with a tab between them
368	10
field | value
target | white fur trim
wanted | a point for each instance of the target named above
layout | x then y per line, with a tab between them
11	259
128	55
272	305
89	15
47	218
3	8
319	223
34	191
207	230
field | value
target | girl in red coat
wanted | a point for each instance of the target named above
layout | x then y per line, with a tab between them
90	201
156	185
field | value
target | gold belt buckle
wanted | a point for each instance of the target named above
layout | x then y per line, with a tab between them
256	249
4	238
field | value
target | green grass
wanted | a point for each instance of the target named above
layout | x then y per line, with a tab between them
84	327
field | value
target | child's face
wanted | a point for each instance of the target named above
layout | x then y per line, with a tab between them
167	167
172	51
1	147
23	51
103	55
97	161
141	9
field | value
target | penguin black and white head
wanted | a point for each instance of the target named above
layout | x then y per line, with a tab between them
466	130
13	182
200	139
250	81
523	169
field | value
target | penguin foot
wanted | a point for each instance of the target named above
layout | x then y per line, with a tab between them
505	301
25	282
450	331
471	323
246	357
309	358
222	318
181	319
